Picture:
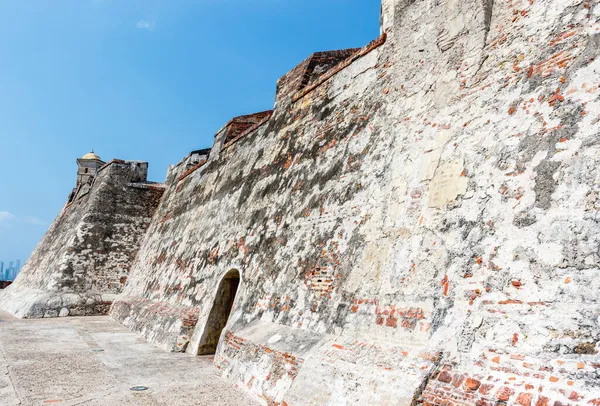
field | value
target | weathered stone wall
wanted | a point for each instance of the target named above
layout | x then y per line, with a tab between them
417	224
421	227
83	260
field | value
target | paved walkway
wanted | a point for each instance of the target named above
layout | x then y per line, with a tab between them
95	361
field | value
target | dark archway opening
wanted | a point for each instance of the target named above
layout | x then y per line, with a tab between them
219	314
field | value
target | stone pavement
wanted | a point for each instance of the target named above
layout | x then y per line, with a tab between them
95	361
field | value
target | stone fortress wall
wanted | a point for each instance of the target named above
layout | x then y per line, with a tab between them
416	221
83	260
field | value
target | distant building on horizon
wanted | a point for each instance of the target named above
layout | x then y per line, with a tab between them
11	271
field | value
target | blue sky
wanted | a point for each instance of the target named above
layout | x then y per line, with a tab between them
139	79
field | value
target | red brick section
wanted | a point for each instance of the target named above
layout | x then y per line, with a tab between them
233	132
322	277
309	70
338	68
321	281
280	365
472	384
191	170
406	318
322	62
524	399
291	81
511	384
239	125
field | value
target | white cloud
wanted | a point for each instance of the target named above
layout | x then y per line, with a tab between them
148	25
7	219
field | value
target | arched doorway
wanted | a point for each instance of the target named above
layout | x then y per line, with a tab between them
219	314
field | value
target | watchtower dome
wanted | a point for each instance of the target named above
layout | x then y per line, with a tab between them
87	167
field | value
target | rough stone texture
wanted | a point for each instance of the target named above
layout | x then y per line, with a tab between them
83	260
418	224
420	227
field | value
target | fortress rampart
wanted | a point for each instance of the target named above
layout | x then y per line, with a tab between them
416	221
83	261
